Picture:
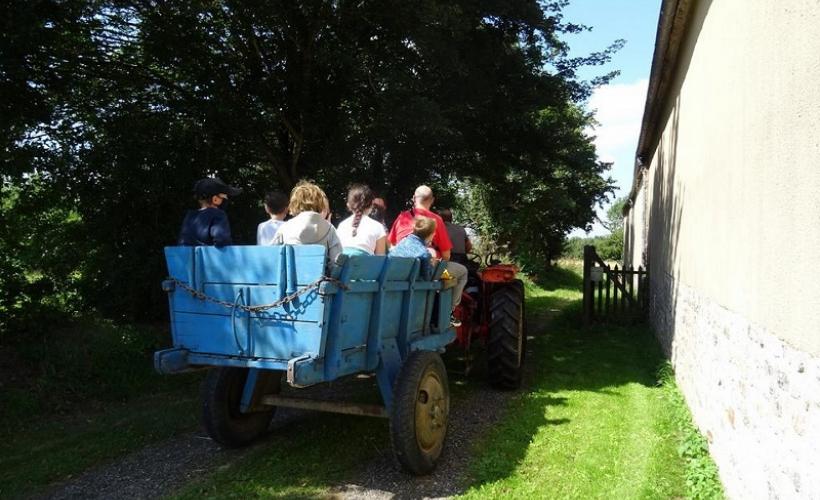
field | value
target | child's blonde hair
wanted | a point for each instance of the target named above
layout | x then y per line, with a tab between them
423	227
306	196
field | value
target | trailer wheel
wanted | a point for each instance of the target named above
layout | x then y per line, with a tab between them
221	396
421	408
506	343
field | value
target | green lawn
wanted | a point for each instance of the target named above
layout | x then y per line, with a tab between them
57	448
593	422
596	421
91	396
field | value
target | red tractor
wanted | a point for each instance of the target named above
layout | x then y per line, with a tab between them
492	311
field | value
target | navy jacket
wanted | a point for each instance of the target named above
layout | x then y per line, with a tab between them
208	226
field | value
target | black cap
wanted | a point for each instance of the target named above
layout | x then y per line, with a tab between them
212	186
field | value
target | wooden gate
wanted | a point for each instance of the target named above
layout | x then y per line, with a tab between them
613	294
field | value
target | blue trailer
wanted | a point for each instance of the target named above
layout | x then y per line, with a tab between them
255	315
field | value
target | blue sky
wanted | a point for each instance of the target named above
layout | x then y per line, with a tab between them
619	105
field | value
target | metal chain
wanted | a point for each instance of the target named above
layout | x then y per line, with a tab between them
258	308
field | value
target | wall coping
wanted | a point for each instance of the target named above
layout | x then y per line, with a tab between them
672	23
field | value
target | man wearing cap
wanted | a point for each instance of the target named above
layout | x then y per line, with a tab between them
208	225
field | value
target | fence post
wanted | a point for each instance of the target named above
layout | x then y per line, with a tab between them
588	256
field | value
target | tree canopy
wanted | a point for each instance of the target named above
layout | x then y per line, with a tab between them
111	109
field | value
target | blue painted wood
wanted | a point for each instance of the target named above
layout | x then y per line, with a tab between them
433	342
285	339
273	338
169	361
406	319
204	360
238	264
180	263
258	264
383	312
240	325
355	319
305	371
389	365
308	308
366	267
429	306
375	327
445	307
247	391
333	343
400	269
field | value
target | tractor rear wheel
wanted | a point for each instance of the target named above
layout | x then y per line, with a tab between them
419	414
221	397
506	342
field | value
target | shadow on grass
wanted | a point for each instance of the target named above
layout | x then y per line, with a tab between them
305	453
564	356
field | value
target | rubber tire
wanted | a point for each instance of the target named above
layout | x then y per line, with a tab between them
221	395
506	342
410	456
519	285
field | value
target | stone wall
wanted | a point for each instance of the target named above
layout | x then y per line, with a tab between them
726	218
755	397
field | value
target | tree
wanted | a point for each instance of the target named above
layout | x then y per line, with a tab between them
609	246
120	105
614	222
612	246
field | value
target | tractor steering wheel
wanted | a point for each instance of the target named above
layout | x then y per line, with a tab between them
475	259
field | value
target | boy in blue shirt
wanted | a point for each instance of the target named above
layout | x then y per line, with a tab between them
208	225
415	245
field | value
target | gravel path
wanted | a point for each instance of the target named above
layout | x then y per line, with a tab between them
148	473
162	468
468	419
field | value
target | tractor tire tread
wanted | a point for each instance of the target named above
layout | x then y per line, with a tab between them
506	342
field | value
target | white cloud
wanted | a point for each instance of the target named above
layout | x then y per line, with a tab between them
618	110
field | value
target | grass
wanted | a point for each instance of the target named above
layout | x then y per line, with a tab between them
598	420
58	448
301	460
307	457
70	368
84	395
702	479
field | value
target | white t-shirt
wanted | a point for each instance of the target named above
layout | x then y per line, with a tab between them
267	230
367	234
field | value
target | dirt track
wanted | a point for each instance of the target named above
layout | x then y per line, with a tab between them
160	469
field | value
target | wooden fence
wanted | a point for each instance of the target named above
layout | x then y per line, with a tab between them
613	294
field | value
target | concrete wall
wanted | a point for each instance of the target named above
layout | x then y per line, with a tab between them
732	226
636	228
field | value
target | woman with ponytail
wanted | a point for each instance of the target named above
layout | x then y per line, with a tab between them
361	235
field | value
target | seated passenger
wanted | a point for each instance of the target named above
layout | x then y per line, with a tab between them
360	234
308	226
458	237
378	212
276	206
415	245
422	203
208	225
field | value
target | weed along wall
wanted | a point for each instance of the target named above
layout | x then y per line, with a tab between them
725	211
